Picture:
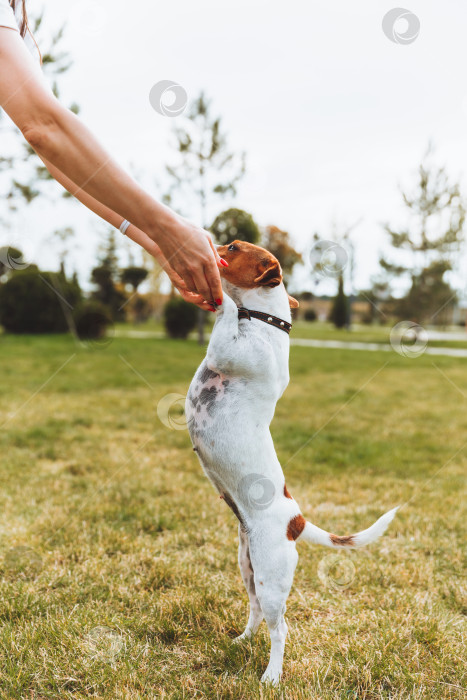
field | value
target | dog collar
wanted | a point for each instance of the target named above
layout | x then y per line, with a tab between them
267	318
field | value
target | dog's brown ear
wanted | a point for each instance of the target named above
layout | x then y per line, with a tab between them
293	303
271	277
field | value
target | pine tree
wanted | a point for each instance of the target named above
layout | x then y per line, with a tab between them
428	246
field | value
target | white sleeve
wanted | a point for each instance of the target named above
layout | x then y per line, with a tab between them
7	16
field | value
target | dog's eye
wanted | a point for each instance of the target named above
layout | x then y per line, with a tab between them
232	247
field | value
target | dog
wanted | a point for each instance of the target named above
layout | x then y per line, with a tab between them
229	407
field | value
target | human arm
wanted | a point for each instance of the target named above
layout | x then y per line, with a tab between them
62	140
132	232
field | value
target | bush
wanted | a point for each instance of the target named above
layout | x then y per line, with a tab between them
32	302
179	318
92	320
310	315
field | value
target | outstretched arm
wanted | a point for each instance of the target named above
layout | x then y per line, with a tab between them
134	233
61	139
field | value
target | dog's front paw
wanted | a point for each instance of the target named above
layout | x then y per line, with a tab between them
228	306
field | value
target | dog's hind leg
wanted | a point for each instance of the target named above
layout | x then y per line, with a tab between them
246	569
274	560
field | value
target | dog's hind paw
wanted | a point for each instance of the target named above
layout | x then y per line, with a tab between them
272	676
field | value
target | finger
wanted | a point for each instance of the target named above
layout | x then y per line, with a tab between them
214	250
189	282
202	285
213	279
197	300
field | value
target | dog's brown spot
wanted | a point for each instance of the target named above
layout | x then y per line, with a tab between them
286	492
295	527
344	541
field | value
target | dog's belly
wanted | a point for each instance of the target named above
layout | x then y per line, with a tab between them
228	420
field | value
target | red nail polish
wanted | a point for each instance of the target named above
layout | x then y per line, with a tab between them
218	302
224	262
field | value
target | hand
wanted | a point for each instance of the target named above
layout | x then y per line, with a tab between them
175	278
190	252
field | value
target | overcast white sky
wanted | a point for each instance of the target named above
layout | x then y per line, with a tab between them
332	115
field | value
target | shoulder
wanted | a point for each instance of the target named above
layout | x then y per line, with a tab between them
7	16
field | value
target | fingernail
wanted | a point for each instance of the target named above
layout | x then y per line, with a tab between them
213	310
218	302
224	262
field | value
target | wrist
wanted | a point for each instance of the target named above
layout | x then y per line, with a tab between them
162	224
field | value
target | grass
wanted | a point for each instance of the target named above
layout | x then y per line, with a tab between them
118	569
318	330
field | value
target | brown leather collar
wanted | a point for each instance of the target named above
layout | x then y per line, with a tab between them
267	318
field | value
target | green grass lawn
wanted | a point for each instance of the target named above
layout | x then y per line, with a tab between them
316	331
118	568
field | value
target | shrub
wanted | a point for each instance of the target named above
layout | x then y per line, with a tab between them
310	315
179	318
32	302
92	320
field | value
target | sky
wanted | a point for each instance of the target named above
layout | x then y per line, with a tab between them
332	115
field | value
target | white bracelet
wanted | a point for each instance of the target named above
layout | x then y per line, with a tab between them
124	226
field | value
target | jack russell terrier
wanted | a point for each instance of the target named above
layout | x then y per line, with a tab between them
229	407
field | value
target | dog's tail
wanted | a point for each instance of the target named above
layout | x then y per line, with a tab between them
314	534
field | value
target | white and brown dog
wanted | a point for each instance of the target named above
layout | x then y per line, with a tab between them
229	408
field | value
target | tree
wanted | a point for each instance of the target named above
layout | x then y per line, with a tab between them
339	310
134	276
63	236
206	169
235	224
279	244
106	275
428	246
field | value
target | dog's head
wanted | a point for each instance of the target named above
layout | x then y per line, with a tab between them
251	267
